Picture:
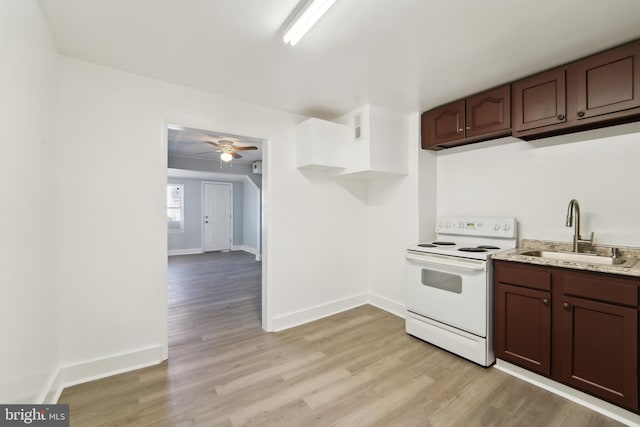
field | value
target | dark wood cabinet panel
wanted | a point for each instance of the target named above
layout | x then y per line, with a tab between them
488	112
540	101
443	124
523	275
523	327
600	350
608	83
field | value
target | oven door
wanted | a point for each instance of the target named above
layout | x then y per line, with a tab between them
448	289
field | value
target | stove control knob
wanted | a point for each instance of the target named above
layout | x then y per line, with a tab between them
448	225
507	227
496	227
440	225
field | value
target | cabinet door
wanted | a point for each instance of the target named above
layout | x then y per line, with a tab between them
599	350
608	83
540	101
443	124
488	112
523	327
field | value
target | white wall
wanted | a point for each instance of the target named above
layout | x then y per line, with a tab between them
534	182
28	323
113	251
392	225
250	217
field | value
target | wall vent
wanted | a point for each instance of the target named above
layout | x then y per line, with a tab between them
358	127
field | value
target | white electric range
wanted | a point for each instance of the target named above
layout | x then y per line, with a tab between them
448	284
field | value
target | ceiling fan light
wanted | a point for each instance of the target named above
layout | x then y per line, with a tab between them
226	157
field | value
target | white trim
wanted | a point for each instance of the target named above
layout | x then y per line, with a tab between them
190	251
80	373
163	288
52	390
605	408
252	251
265	221
320	311
387	304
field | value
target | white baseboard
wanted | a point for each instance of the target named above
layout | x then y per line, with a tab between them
190	251
79	373
317	312
605	408
387	304
249	249
53	390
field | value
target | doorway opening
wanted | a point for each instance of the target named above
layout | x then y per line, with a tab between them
222	207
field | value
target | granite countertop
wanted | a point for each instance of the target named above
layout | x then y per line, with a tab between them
527	245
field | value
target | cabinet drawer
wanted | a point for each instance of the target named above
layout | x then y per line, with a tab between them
602	288
522	275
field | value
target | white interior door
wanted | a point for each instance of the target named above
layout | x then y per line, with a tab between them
217	216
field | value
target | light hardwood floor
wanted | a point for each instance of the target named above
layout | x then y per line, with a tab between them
357	368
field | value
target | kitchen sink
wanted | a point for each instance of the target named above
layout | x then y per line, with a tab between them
586	258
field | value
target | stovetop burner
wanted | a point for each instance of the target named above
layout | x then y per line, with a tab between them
427	245
444	243
478	249
488	247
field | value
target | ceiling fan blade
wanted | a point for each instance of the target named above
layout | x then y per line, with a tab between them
215	144
236	155
251	147
205	152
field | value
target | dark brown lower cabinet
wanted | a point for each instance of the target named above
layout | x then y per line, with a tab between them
524	322
576	327
599	350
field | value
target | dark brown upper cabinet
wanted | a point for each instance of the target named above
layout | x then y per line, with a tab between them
476	118
540	101
608	83
443	124
596	91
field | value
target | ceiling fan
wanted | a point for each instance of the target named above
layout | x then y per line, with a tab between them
227	150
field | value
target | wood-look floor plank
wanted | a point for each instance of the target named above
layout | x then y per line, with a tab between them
356	368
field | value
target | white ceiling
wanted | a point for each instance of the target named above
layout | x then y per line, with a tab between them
407	55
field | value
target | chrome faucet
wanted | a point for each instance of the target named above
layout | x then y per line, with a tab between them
575	206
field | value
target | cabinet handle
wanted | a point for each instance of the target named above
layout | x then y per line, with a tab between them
468	127
460	130
560	116
566	305
580	113
545	301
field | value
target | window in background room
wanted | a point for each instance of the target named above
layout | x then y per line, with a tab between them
175	208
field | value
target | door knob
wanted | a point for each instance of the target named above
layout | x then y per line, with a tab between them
566	305
545	301
460	130
206	222
580	113
560	116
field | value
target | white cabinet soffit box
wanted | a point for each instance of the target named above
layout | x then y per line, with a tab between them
367	143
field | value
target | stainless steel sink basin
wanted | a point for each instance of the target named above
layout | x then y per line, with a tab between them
586	258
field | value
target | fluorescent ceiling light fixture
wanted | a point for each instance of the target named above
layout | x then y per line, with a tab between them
304	16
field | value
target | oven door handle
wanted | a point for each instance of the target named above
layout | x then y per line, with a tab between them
467	264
